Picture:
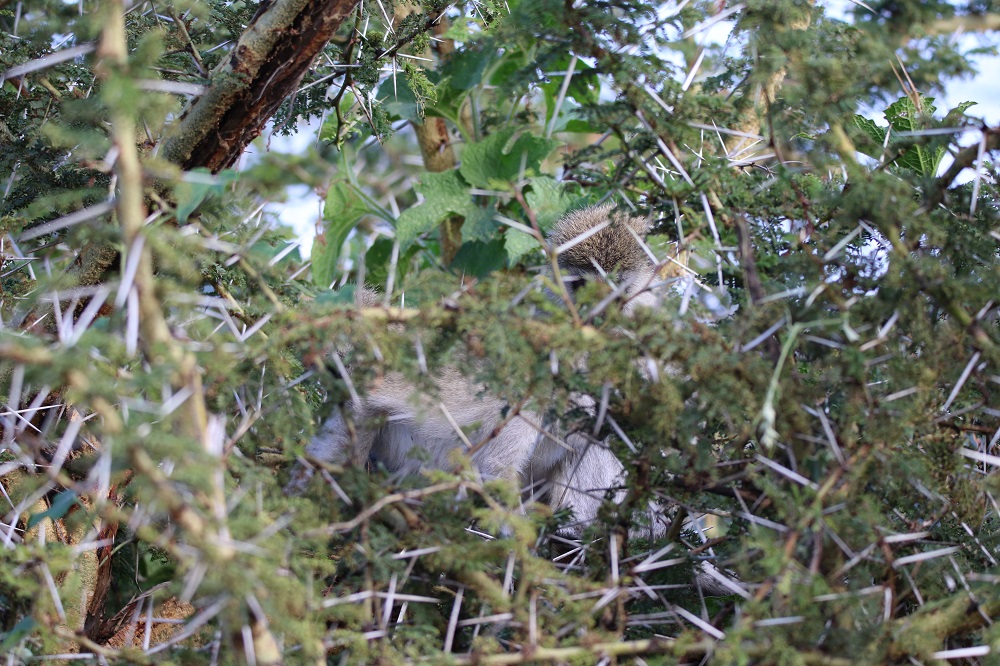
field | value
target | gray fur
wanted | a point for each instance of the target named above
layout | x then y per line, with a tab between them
405	431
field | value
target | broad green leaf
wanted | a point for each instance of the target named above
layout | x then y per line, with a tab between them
378	258
59	508
23	627
503	157
342	211
481	259
479	224
921	160
955	116
196	185
903	115
963	107
342	296
584	88
517	244
873	132
397	99
465	68
266	251
549	201
445	194
578	126
189	195
510	64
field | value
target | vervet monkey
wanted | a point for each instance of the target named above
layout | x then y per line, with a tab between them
405	432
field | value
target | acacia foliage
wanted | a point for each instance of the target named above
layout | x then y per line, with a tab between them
826	389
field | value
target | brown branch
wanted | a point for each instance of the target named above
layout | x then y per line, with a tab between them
760	98
967	23
434	139
249	86
380	504
965	159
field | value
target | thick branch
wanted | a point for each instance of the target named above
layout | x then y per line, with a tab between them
263	69
967	23
435	140
763	95
964	160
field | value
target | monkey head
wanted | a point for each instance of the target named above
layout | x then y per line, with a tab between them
600	242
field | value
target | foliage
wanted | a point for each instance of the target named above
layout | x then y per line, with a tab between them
814	406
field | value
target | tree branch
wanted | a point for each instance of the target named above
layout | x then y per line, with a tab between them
964	160
967	23
263	69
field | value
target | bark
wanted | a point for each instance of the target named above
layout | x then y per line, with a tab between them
434	140
436	149
96	626
262	71
760	99
968	23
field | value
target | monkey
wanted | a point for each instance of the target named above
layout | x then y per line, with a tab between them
567	468
616	246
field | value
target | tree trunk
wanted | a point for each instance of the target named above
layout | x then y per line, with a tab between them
262	71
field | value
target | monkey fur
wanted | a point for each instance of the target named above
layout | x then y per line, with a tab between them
568	469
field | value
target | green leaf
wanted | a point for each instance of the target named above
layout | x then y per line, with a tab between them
516	244
398	100
191	191
60	507
344	208
503	157
479	224
577	126
445	194
921	160
266	252
155	568
481	259
569	119
963	107
24	627
465	68
955	116
550	201
196	185
342	296
378	258
584	88
903	115
873	132
509	66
